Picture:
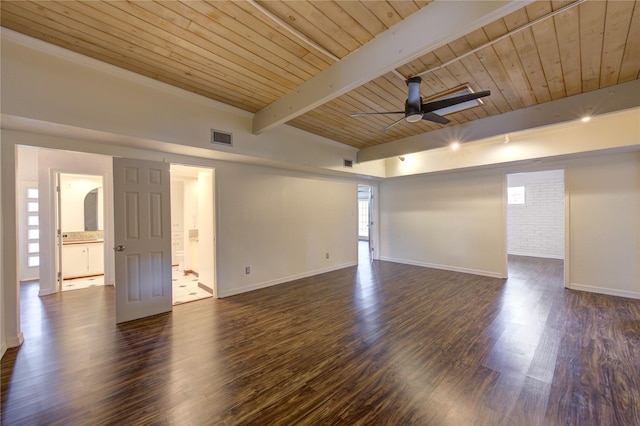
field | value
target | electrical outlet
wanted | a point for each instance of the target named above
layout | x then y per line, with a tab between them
247	270
327	255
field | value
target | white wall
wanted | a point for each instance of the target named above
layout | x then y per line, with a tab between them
11	295
456	221
451	221
536	228
604	203
611	132
191	222
281	225
74	189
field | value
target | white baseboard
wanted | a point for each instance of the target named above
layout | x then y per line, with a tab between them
603	290
258	286
46	292
544	256
444	267
14	342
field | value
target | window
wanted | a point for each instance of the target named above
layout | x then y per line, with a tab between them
33	229
515	195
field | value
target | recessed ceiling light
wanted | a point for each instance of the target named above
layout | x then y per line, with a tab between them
455	145
586	119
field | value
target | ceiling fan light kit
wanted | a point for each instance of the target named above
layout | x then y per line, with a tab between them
414	117
433	110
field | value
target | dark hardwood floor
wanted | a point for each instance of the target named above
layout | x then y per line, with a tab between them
380	344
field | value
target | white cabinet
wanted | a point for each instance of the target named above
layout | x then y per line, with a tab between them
177	218
74	260
177	244
96	258
82	260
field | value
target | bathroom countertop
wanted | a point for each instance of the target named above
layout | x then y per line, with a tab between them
68	243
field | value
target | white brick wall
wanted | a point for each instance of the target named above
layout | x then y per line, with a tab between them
536	228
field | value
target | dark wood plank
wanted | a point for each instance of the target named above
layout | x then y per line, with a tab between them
381	343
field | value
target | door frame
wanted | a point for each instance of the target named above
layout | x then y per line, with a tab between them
49	282
213	218
566	212
57	225
374	226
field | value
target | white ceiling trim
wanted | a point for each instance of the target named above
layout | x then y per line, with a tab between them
431	27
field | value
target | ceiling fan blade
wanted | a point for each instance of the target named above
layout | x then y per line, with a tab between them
413	97
432	116
392	124
362	114
436	105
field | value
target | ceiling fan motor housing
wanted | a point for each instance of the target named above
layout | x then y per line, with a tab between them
413	104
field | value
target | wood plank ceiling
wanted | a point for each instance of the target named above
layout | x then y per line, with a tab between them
238	53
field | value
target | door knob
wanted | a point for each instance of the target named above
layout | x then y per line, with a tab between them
119	248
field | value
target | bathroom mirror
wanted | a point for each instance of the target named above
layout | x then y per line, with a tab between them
92	210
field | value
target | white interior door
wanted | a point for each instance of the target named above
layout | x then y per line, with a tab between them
142	210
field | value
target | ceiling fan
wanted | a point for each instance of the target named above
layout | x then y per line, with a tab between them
415	110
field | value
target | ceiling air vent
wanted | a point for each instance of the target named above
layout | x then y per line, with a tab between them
348	163
221	138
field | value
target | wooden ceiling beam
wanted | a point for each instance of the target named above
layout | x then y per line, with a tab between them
433	26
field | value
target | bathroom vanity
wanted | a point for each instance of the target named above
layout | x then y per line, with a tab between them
82	258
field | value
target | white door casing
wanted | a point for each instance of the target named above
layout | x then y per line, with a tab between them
142	220
374	241
370	219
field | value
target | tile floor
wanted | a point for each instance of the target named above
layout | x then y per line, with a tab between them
185	287
77	283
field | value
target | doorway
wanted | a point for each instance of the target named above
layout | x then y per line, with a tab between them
365	223
43	165
192	233
80	226
535	219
